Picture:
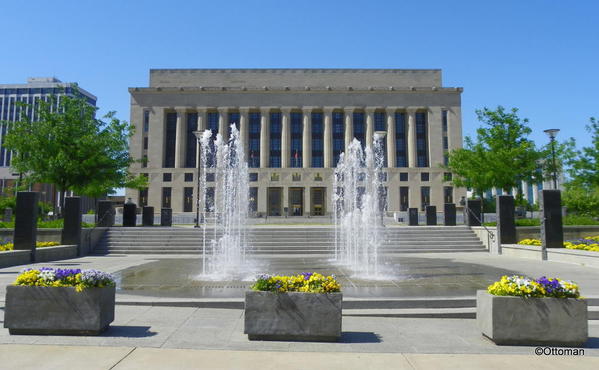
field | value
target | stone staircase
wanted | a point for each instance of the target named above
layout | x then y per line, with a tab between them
286	240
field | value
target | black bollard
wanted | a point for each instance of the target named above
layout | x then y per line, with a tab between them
413	216
473	212
431	215
166	217
449	214
25	233
129	213
147	217
71	232
506	224
105	213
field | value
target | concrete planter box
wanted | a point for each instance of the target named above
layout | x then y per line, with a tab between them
532	321
58	310
293	316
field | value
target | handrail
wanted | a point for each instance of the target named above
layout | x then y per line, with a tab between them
89	235
490	233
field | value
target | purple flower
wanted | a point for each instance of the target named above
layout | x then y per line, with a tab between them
307	275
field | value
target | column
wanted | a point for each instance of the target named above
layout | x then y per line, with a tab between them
349	128
411	137
285	139
156	137
307	138
223	127
243	130
369	126
180	139
264	137
328	137
525	190
535	193
391	157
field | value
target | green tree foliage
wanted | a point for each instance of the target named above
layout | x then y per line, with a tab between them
582	191
501	156
70	148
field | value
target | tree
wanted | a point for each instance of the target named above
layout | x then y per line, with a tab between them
582	191
70	148
502	156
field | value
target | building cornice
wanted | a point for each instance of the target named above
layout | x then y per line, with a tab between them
287	89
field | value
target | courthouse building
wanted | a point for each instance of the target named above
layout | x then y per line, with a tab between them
294	124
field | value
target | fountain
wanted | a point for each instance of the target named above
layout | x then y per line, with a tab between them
224	254
358	205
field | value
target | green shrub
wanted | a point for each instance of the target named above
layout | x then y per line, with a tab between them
570	220
52	224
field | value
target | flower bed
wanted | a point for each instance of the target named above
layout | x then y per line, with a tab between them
299	307
10	246
60	301
589	243
79	279
305	282
518	286
545	311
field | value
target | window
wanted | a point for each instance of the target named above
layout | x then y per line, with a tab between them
448	194
144	161
192	140
424	176
146	143
234	118
317	177
274	177
382	176
166	197
170	140
444	120
359	128
296	140
425	197
275	140
296	177
445	159
338	136
445	143
254	143
253	176
167	177
403	176
379	121
421	138
317	140
143	197
209	176
187	199
188	177
447	176
146	120
212	125
401	151
209	205
253	201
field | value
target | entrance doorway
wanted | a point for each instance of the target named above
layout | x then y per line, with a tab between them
318	202
275	199
296	201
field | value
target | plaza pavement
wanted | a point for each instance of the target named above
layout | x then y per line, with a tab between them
150	336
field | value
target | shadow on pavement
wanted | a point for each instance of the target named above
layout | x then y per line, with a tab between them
128	331
359	337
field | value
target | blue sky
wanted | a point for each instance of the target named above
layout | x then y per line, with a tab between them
540	56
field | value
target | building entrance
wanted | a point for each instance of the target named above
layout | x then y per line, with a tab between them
275	199
296	201
318	202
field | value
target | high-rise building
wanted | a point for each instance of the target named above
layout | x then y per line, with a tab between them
36	89
294	124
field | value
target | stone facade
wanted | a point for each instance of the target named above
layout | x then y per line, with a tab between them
294	123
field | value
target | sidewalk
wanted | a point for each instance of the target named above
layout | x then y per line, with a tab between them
90	358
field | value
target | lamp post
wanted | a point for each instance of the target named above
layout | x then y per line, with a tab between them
552	133
198	135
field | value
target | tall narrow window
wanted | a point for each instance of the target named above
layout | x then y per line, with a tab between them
275	140
187	199
425	197
170	138
143	197
379	121
296	139
421	138
166	197
448	194
359	128
192	140
317	140
338	136
401	149
233	120
146	121
254	137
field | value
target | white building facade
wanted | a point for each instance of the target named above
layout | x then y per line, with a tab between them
294	124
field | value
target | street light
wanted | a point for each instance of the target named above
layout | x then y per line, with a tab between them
552	133
198	135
